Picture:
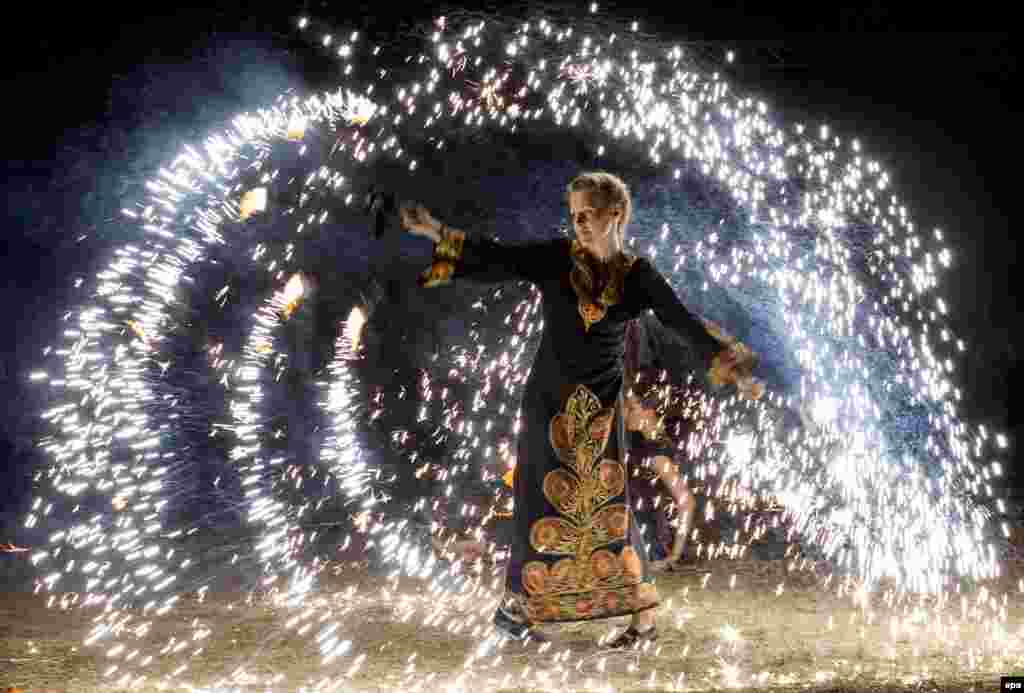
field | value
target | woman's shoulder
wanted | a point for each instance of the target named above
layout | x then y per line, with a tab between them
544	250
638	267
639	279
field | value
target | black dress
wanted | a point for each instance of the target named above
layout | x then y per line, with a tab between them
576	552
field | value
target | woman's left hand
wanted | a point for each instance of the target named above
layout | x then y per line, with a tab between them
749	388
735	365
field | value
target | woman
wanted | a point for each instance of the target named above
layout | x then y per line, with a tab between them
576	554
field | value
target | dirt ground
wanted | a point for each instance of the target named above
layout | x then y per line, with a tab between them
725	625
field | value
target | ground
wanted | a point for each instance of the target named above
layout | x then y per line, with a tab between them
742	624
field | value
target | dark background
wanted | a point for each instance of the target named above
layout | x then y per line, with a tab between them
98	99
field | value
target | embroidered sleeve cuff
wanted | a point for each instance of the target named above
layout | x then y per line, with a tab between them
450	246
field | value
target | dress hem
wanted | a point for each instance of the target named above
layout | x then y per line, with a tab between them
596	618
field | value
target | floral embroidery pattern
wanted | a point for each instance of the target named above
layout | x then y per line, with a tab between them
591	313
593	309
587	579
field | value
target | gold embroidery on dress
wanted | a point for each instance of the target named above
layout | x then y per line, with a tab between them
581	277
589	580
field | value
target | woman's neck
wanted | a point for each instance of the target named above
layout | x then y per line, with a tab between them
604	256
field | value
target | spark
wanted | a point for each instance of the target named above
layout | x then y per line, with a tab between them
869	345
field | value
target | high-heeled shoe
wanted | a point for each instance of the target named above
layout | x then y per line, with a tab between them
631	638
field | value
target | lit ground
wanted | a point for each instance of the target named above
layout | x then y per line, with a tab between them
715	634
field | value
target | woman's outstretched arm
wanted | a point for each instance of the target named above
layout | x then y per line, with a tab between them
725	359
650	290
460	255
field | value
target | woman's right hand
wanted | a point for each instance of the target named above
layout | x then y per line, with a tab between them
417	220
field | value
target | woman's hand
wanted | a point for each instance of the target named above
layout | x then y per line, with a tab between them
417	220
723	366
736	365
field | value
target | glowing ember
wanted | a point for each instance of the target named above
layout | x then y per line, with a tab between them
296	128
253	201
354	328
294	292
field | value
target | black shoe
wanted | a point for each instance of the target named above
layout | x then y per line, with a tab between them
631	638
516	630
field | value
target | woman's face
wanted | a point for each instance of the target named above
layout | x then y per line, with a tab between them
595	228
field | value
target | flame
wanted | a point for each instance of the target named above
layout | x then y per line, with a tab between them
296	128
253	201
354	327
294	291
295	288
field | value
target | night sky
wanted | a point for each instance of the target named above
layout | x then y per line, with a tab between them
90	94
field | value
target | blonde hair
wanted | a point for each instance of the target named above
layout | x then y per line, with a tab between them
607	190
